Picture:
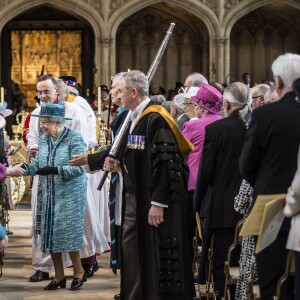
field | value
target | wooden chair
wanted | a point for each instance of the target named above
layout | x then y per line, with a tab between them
253	289
232	273
207	290
210	288
196	247
289	271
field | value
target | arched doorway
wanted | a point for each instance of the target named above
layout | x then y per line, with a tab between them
139	36
259	37
44	35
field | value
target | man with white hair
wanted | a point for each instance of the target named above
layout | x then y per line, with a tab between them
195	79
271	95
154	199
269	162
257	95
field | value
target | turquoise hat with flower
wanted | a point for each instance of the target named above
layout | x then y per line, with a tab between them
52	111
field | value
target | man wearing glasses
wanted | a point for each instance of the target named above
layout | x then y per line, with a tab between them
47	92
257	94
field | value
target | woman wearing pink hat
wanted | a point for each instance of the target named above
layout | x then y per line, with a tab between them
209	101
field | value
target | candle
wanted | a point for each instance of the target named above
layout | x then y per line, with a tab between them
71	65
2	96
99	100
128	70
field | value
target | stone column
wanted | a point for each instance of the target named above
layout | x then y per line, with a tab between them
222	59
106	47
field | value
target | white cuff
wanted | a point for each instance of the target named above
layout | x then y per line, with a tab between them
159	204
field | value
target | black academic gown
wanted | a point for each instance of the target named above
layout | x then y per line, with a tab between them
156	174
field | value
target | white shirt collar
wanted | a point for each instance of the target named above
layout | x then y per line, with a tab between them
194	119
136	113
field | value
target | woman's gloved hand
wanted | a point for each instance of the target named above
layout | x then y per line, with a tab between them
47	171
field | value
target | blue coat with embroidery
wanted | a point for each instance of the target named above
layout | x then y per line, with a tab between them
63	195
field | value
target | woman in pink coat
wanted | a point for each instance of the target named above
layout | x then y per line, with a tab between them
208	101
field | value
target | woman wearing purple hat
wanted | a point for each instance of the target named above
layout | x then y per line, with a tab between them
209	101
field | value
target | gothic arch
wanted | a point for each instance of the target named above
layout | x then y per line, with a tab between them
200	10
245	8
271	33
88	13
187	50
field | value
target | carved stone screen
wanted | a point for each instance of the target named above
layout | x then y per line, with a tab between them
58	50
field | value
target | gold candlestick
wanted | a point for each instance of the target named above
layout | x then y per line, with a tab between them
2	95
99	100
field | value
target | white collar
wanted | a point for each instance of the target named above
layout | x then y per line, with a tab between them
194	119
136	113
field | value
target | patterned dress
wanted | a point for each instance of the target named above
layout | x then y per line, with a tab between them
63	195
243	204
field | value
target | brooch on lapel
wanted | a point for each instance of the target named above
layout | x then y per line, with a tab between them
136	142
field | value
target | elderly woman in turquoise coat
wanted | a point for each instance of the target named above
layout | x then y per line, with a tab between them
63	193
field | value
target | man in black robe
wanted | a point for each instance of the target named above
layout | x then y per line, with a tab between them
155	261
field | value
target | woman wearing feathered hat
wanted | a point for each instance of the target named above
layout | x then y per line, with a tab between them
63	193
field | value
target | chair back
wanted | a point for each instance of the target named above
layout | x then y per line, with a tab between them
290	268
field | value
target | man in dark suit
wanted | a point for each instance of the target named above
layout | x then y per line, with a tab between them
220	170
269	162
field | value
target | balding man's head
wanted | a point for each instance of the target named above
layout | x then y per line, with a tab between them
195	79
271	95
257	95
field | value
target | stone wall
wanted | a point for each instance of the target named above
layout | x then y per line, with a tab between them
216	37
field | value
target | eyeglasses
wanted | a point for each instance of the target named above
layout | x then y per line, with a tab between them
188	103
45	92
256	97
42	123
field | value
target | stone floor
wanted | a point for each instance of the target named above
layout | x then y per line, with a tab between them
17	269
